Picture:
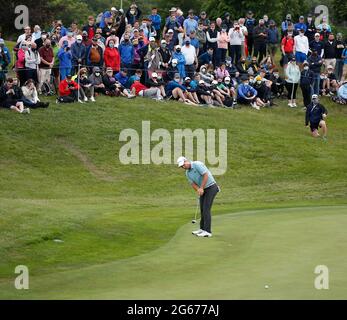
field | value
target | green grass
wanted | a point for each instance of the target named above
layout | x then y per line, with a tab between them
279	248
106	212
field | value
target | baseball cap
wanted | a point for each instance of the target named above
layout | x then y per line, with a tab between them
79	37
113	9
178	47
173	9
330	67
227	79
174	61
317	34
163	41
186	79
109	69
151	39
301	17
214	82
180	161
314	96
201	81
154	75
170	31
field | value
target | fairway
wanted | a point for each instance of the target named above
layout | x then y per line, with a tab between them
279	248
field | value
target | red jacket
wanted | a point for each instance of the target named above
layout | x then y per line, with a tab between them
112	58
138	87
64	87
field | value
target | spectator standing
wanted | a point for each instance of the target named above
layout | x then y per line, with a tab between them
260	35
47	63
292	80
236	36
301	47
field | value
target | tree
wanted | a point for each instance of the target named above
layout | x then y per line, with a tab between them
340	11
276	10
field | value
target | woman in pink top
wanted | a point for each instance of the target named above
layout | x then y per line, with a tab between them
222	72
20	63
222	42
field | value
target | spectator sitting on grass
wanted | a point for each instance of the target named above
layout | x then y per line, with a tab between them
341	97
96	79
9	98
85	84
68	91
154	82
30	97
113	87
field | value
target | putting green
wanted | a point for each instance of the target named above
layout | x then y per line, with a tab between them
279	248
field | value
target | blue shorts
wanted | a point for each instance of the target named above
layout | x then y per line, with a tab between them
300	57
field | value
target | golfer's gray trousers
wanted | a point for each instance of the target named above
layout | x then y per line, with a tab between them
206	201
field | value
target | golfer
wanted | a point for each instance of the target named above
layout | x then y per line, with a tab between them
315	116
204	184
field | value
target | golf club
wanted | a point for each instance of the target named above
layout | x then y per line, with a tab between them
196	211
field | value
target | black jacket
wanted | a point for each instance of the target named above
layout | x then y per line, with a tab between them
306	78
315	63
314	114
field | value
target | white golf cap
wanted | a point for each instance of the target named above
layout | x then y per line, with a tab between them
186	79
214	82
113	9
178	47
151	39
79	37
154	75
163	41
201	81
180	161
174	61
227	78
170	31
314	96
317	34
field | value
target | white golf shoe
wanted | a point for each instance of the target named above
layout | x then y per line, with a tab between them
196	232
204	234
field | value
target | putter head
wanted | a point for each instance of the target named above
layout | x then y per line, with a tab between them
193	221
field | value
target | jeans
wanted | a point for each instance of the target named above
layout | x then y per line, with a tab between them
235	53
316	83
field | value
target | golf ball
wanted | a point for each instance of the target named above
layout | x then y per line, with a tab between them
266	286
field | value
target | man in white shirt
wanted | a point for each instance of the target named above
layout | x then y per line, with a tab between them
189	53
236	37
301	47
23	37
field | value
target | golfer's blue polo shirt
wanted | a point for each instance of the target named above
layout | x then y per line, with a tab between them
196	172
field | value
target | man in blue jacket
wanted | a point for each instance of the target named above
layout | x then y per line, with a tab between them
246	94
315	117
156	21
78	51
126	51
